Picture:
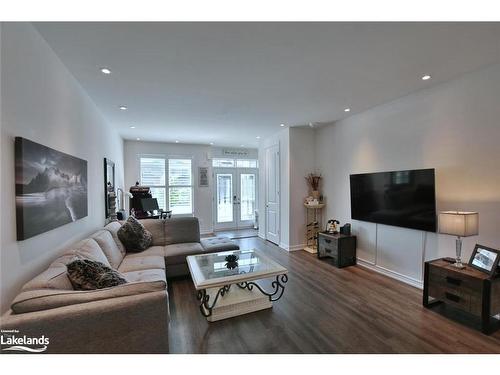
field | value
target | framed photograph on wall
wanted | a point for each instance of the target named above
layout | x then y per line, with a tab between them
203	176
485	259
51	188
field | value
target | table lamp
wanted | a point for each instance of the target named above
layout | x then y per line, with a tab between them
460	224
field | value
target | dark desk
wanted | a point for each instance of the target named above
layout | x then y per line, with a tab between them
472	292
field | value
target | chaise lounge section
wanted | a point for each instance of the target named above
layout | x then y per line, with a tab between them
129	318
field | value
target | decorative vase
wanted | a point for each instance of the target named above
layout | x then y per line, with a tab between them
316	194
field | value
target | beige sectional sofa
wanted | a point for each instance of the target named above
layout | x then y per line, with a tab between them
129	318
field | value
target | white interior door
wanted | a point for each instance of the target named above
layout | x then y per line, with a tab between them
235	197
272	194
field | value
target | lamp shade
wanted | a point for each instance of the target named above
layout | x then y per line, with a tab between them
462	224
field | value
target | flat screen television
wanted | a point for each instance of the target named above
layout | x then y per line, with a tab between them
400	198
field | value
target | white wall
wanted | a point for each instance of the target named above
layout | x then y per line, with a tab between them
202	157
302	162
42	101
454	128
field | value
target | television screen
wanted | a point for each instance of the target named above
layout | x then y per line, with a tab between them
402	198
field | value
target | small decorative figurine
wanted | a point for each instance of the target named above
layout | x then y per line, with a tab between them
232	261
332	226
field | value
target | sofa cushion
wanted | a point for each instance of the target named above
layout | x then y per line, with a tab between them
113	228
214	244
182	230
52	278
109	247
134	236
149	276
87	274
85	249
152	251
177	253
44	299
157	229
142	263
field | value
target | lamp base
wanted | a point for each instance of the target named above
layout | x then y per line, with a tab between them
458	260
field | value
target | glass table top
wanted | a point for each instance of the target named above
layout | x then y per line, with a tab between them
217	268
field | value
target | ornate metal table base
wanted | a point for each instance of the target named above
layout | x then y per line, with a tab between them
205	307
244	302
278	285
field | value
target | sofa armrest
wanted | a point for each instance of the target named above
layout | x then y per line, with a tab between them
131	324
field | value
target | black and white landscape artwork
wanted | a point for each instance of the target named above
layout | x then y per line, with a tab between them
51	188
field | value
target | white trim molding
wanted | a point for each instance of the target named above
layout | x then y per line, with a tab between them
395	275
292	248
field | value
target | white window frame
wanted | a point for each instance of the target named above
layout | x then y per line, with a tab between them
167	179
167	166
154	156
235	163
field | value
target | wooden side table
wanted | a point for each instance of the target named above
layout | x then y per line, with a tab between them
468	290
340	248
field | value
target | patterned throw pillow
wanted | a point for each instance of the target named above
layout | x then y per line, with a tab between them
86	274
134	236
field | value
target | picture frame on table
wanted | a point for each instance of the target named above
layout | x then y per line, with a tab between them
485	259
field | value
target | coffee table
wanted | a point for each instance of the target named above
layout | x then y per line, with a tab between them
226	288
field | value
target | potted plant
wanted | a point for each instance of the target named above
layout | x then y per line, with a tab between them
313	183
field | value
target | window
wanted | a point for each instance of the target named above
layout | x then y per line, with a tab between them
239	163
246	163
177	193
180	186
153	175
227	163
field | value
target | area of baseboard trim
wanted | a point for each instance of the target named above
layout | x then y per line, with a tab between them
384	271
291	248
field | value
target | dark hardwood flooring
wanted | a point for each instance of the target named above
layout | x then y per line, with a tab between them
324	310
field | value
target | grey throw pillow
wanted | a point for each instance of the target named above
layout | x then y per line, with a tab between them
86	274
134	236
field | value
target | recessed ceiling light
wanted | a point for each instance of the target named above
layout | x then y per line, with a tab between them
258	137
176	141
426	77
282	125
105	71
138	139
132	127
211	143
123	107
347	109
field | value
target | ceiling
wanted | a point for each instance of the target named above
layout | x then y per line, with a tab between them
229	83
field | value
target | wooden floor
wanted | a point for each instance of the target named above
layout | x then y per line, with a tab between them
324	310
238	233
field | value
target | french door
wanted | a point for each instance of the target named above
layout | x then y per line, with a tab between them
235	197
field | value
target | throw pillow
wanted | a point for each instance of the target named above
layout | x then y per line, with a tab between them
134	236
86	274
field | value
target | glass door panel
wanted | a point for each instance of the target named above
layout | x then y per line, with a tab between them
247	197
224	197
235	197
